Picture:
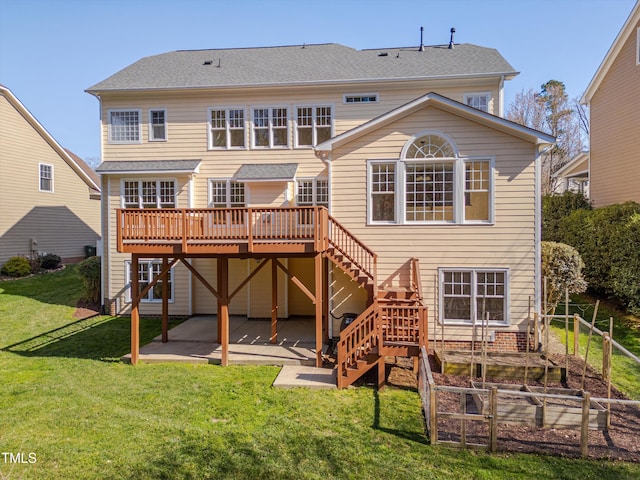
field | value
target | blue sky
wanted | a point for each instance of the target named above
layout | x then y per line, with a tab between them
52	50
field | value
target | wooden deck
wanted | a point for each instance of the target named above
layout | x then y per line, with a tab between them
223	231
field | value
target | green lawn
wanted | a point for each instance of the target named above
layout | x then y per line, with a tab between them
67	399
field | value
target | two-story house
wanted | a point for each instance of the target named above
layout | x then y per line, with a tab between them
50	197
362	179
614	111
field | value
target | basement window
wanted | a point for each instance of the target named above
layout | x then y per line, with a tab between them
147	271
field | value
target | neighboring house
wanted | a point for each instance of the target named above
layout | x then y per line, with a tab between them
613	97
50	198
574	175
342	165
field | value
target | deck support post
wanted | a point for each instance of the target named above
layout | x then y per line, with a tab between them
325	300
165	300
135	314
319	307
274	302
223	307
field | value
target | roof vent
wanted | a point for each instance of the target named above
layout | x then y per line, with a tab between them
453	30
383	54
208	62
421	48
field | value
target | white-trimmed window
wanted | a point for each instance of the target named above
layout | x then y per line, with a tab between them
313	192
225	193
147	271
467	296
479	100
314	125
124	126
360	98
148	193
430	183
157	125
46	177
227	128
383	192
270	127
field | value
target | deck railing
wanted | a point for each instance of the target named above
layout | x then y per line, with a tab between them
211	225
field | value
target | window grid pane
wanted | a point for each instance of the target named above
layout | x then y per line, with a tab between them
124	126
219	194
279	122
383	192
457	296
131	195
237	194
46	177
167	194
157	125
322	193
149	195
305	192
429	191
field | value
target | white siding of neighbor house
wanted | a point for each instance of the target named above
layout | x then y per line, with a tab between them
614	175
508	243
62	221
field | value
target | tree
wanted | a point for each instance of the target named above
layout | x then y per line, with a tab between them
550	111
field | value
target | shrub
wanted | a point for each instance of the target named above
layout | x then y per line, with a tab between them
89	270
557	207
562	267
16	267
49	261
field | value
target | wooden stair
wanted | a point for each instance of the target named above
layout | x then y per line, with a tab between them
395	321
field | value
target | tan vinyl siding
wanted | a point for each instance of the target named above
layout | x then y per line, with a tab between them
508	243
615	126
204	302
62	221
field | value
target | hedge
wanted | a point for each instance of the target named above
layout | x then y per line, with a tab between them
608	239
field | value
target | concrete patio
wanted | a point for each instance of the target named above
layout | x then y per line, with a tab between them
193	342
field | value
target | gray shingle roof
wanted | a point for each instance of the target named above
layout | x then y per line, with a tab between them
142	166
327	63
266	172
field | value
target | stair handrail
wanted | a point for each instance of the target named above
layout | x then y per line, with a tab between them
416	281
358	339
356	252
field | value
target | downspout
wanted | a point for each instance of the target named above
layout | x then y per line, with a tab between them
538	226
326	158
104	207
501	97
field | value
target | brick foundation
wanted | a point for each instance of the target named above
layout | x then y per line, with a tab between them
504	342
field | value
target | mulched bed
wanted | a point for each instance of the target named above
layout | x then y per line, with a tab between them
621	442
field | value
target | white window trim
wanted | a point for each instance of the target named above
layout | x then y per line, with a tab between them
228	182
360	95
155	179
314	126
459	190
271	128
507	295
40	165
638	46
124	142
166	125
227	128
314	188
469	95
127	277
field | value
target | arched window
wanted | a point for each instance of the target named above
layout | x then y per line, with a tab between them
429	146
